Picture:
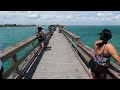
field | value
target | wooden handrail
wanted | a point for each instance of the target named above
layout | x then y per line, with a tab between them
4	55
11	53
86	53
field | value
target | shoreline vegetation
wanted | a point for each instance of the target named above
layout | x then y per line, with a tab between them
30	25
15	25
27	25
56	26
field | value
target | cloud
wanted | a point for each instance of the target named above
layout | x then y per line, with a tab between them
60	17
32	16
68	17
104	14
9	16
93	18
84	18
45	17
100	14
117	17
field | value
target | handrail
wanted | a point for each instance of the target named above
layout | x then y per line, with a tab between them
86	53
19	66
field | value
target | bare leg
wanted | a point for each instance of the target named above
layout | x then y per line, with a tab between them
42	44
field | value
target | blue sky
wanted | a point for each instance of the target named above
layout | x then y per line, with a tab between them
60	17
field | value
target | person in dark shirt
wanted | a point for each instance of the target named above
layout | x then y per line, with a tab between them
1	70
41	37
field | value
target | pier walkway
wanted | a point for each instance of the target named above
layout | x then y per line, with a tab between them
66	57
60	62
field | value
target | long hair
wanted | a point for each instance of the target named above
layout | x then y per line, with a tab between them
105	35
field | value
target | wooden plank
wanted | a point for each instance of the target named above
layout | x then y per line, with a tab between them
70	34
89	52
74	47
28	63
13	61
13	50
10	70
80	52
16	48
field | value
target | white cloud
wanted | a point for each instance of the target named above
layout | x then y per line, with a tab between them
84	18
93	18
58	17
62	17
46	17
33	16
100	14
9	16
117	17
68	17
104	14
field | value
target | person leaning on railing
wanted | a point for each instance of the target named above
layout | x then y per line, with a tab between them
50	30
41	37
103	52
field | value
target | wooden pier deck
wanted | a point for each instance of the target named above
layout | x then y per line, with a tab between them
60	62
67	59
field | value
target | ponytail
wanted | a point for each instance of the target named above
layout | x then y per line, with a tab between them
105	35
101	44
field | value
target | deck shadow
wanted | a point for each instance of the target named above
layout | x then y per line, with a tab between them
48	48
33	68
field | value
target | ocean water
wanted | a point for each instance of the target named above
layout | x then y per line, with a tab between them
88	35
12	35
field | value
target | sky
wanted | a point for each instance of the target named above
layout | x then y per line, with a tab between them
60	17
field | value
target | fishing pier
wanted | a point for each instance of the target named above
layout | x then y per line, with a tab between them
66	57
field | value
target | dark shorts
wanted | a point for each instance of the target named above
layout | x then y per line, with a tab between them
1	72
97	69
41	40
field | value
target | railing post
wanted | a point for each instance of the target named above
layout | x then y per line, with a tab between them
77	39
13	61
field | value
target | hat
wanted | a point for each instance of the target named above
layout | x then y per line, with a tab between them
39	28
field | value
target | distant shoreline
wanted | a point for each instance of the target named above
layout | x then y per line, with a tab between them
14	25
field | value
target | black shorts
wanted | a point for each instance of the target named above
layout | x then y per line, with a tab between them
97	69
41	40
1	72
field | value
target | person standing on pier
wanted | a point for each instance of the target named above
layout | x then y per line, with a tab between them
41	37
1	69
50	30
1	66
103	52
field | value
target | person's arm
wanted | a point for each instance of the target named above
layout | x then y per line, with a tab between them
112	51
94	46
38	34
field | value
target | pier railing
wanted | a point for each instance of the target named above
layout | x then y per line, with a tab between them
19	65
86	54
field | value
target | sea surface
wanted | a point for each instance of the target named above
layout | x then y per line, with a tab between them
12	35
88	35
